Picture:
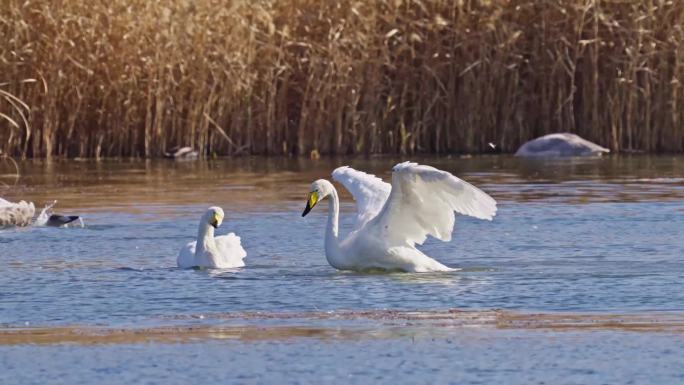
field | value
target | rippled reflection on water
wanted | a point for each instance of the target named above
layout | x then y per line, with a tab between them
600	235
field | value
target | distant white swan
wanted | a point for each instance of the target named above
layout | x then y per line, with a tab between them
392	219
559	145
207	251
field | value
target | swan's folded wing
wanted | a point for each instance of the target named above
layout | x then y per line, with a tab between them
230	248
369	192
422	203
186	256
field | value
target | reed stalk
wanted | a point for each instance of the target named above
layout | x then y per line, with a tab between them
132	78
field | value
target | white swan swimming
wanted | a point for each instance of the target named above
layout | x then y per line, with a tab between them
392	219
560	145
222	252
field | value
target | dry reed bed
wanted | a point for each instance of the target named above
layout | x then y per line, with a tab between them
135	77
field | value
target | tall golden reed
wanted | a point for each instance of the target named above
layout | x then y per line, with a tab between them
135	77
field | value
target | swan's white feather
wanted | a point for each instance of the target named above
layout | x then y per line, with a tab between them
369	192
230	255
186	256
421	201
231	249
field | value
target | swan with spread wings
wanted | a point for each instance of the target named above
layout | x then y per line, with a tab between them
392	219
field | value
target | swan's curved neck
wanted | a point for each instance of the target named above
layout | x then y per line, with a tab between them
333	216
205	238
332	243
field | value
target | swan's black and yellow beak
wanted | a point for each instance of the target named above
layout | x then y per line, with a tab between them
311	201
214	220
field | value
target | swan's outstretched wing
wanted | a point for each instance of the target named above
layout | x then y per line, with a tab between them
230	248
422	203
369	192
186	256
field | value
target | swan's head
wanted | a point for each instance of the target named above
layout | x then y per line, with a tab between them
318	191
213	216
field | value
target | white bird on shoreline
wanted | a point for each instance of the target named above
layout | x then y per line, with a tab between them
222	252
392	219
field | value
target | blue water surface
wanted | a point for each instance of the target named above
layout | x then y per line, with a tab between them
578	236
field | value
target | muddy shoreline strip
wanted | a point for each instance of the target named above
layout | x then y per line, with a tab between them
341	325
